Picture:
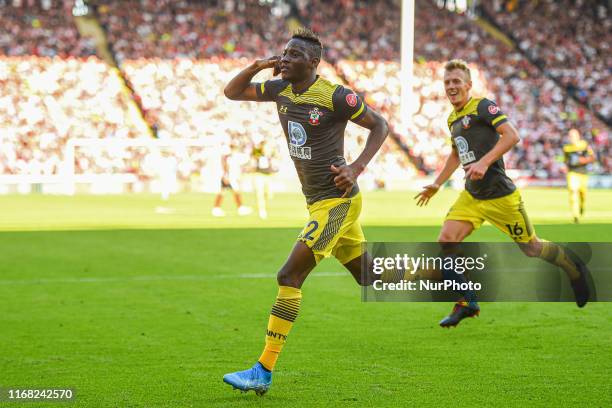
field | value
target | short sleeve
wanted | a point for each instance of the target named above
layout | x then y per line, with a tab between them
348	105
269	90
491	113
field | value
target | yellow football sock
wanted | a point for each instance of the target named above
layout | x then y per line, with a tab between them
282	316
555	254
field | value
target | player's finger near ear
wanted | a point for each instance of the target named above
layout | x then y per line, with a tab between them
335	169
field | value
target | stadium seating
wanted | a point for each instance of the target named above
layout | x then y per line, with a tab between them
571	49
177	57
540	108
191	29
45	101
31	30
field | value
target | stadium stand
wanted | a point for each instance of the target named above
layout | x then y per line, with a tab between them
45	101
571	49
30	29
542	109
191	29
177	55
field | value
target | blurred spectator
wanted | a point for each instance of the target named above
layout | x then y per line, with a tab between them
29	29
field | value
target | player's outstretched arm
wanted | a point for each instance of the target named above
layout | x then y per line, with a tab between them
590	158
240	87
347	175
509	137
452	162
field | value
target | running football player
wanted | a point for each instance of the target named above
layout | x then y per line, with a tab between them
481	133
578	156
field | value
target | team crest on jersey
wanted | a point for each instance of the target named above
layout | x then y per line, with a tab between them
351	99
466	122
315	116
493	109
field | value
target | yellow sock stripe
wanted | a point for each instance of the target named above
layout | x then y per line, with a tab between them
292	304
287	303
284	312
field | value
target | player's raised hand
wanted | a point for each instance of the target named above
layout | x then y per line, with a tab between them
272	62
345	178
424	196
475	171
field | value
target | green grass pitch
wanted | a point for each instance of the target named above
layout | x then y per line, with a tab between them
135	308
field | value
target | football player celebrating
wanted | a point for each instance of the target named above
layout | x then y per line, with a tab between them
313	113
481	133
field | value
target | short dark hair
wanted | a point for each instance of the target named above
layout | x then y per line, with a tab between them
309	36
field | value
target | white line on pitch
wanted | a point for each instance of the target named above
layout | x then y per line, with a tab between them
195	278
35	281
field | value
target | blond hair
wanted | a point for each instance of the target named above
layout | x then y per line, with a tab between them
458	64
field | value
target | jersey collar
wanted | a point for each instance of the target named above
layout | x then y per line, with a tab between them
464	106
305	90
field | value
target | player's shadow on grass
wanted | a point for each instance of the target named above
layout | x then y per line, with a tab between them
235	398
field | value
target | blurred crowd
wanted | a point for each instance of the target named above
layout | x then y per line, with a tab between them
575	48
355	30
542	110
191	29
44	102
44	29
178	55
184	98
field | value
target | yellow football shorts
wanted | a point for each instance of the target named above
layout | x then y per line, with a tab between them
577	181
333	229
506	213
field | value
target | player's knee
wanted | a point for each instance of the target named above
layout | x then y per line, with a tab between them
531	249
449	236
288	277
284	278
